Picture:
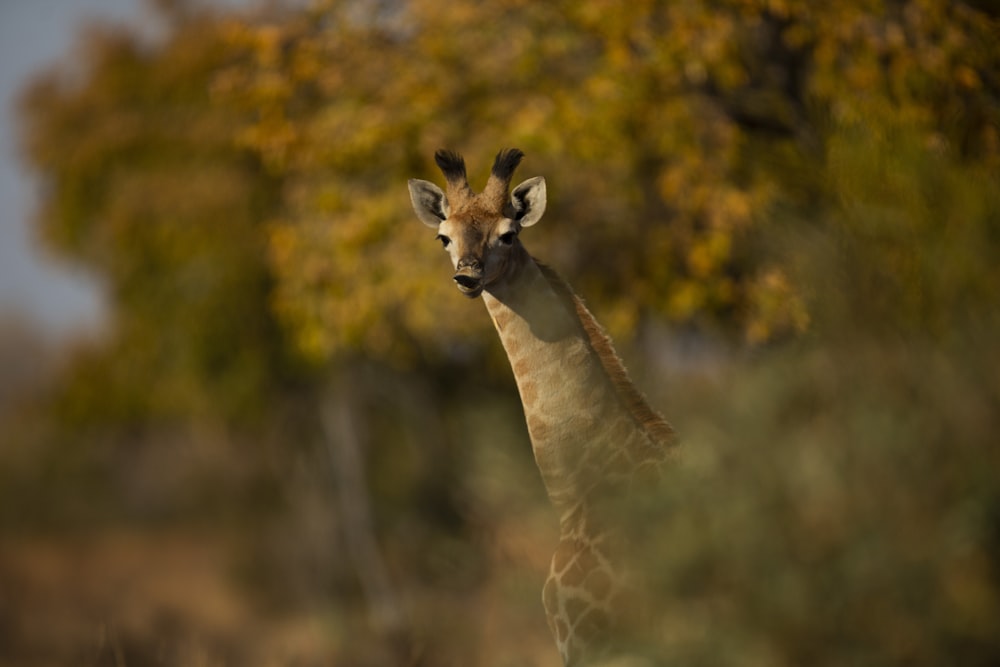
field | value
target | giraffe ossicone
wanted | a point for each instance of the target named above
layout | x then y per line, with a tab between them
595	438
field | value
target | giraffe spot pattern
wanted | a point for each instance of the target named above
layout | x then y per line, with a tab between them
574	609
584	563
550	596
502	319
537	428
529	392
563	555
562	630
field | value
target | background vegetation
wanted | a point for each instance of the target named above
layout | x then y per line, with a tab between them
297	444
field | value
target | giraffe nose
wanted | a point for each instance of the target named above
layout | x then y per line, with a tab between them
469	276
469	265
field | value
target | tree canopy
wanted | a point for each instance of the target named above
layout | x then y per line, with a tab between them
671	134
145	186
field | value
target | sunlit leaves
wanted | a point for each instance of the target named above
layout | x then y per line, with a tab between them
646	119
671	134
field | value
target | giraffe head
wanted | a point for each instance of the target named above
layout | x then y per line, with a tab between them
479	231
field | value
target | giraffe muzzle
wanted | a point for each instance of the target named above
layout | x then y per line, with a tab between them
469	282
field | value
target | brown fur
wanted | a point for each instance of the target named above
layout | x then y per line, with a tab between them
494	195
659	429
495	192
452	165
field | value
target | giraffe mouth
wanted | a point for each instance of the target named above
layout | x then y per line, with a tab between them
469	285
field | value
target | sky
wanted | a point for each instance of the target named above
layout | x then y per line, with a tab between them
46	292
33	286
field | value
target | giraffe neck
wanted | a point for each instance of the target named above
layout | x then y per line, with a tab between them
587	422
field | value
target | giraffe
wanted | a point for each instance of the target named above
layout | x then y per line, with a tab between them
594	437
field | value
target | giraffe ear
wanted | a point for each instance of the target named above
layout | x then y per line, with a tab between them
528	201
429	202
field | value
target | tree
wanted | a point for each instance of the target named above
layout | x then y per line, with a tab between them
671	135
145	187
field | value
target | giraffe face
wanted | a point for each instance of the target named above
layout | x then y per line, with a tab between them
480	247
479	231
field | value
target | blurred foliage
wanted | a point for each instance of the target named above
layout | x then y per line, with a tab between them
145	187
670	133
842	504
841	507
814	186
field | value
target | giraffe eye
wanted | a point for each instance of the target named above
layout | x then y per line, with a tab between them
508	238
444	240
